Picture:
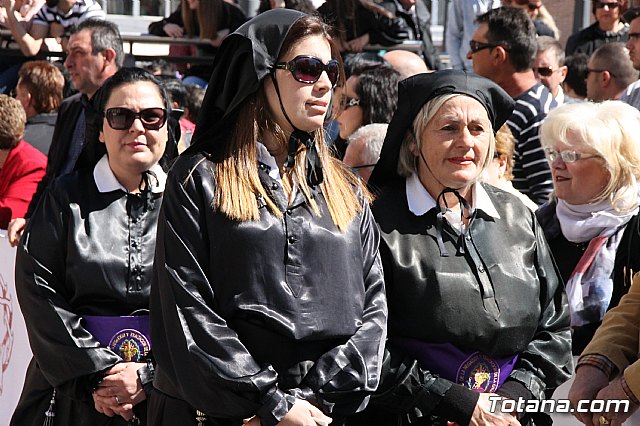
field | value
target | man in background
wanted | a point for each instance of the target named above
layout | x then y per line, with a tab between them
94	53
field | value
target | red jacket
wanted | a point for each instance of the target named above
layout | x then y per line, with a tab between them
19	177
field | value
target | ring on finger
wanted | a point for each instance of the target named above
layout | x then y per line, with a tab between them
603	420
117	400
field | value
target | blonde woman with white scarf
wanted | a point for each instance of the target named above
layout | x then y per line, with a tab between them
591	222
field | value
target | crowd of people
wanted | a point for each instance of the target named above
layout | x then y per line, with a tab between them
302	233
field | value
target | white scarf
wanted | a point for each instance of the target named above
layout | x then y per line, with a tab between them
590	286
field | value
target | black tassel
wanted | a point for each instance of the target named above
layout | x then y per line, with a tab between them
442	208
313	165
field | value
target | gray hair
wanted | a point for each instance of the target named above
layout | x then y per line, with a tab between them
373	137
104	35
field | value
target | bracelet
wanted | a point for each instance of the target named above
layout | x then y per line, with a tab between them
628	391
600	362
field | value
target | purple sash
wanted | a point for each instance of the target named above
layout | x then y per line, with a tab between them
127	336
474	370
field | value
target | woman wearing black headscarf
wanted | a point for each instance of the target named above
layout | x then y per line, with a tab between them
268	301
83	268
476	308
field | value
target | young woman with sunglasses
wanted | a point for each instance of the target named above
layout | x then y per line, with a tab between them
268	303
607	28
542	19
83	268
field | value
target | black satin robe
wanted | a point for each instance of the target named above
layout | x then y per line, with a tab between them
83	253
503	297
246	315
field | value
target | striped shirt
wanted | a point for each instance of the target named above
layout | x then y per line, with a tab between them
81	11
531	172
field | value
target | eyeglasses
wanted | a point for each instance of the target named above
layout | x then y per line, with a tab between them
544	71
308	69
601	5
123	118
590	70
567	156
476	46
350	102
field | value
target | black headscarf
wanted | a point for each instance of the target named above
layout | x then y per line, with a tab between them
245	57
414	92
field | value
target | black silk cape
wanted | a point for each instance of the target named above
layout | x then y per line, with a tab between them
247	315
83	253
444	300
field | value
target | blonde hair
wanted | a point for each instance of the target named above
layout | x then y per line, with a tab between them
610	129
505	145
407	160
12	123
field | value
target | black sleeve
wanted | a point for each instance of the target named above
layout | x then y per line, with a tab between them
410	391
157	28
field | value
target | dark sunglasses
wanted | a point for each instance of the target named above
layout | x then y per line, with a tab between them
477	46
601	5
308	69
590	70
364	166
123	118
544	71
531	6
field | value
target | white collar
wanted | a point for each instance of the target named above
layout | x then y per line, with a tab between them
420	201
266	158
106	181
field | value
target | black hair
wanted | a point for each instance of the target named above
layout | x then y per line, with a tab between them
176	91
377	90
195	96
577	65
512	29
355	63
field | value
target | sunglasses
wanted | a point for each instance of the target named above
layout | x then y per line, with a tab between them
476	46
531	6
364	166
567	156
350	102
601	5
123	118
308	69
544	71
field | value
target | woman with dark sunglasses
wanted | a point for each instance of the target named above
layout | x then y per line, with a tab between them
370	96
83	268
607	28
268	301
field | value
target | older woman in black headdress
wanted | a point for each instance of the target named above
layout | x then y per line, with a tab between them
476	308
83	269
268	303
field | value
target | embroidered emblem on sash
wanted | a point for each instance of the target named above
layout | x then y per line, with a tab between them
479	373
131	345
